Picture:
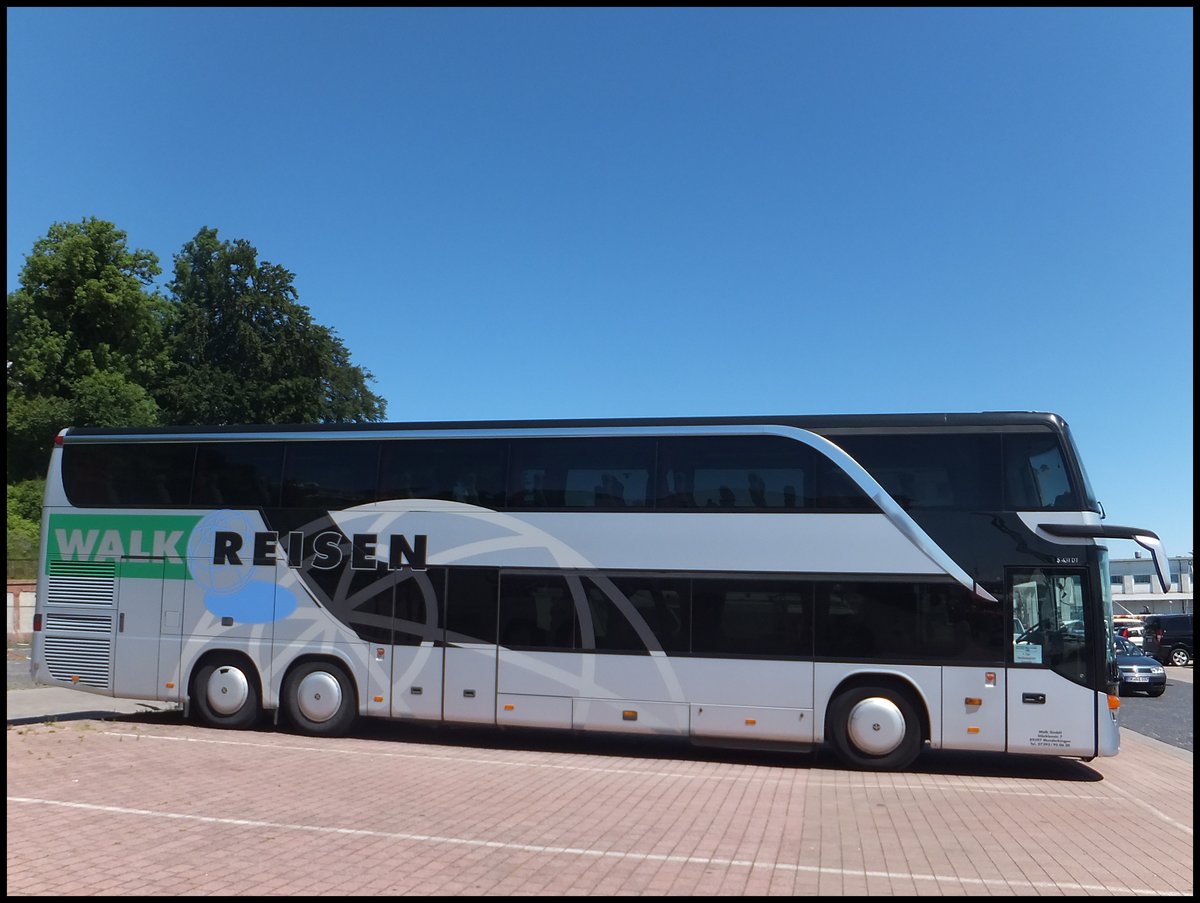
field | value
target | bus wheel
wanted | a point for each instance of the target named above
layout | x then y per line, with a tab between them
875	728
319	699
225	695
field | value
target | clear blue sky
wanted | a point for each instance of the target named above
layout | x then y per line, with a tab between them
551	213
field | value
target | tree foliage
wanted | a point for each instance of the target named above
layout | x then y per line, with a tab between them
246	351
92	342
24	521
85	340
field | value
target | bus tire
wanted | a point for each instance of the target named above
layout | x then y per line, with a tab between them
225	694
318	699
875	728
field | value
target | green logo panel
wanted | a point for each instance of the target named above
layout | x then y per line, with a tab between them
137	544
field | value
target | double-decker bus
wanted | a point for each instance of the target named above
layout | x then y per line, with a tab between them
883	584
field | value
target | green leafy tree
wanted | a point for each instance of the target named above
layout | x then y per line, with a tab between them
91	343
85	340
24	522
246	351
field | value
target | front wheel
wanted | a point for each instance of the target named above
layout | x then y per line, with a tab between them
1157	691
225	694
318	699
875	728
1180	657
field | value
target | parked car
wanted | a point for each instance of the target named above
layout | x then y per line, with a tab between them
1168	638
1073	628
1139	672
1130	628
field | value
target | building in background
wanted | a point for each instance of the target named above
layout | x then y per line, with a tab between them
1135	591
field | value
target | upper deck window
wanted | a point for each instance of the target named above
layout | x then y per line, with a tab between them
932	471
330	475
967	472
751	473
456	470
122	475
607	473
1035	475
238	474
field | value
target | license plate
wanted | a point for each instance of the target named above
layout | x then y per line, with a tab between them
1137	679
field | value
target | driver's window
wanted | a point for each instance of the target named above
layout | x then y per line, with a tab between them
1049	604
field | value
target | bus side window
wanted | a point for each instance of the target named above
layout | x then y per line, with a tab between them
471	598
238	475
330	475
537	611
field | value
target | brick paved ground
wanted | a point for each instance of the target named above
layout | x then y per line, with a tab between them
155	805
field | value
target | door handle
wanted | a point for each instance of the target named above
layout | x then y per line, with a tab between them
121	622
1033	698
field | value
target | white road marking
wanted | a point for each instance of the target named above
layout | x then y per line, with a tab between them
1003	885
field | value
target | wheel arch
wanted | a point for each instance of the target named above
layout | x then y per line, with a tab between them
893	680
233	656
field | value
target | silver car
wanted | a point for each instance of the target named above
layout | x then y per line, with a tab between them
1139	672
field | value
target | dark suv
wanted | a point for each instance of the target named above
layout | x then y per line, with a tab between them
1168	638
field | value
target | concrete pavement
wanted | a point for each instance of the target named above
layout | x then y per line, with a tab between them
44	703
107	797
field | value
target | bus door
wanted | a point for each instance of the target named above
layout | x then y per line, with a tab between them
148	630
470	645
412	663
1052	701
170	641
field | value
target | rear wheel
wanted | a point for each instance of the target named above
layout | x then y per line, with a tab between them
1180	656
875	728
225	694
319	699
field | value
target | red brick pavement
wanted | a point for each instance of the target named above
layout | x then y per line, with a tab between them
154	805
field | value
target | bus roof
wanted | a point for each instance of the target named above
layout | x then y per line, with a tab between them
818	423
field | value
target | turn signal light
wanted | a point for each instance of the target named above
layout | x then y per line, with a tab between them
1114	702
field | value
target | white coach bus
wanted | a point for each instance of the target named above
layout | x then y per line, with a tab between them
775	581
